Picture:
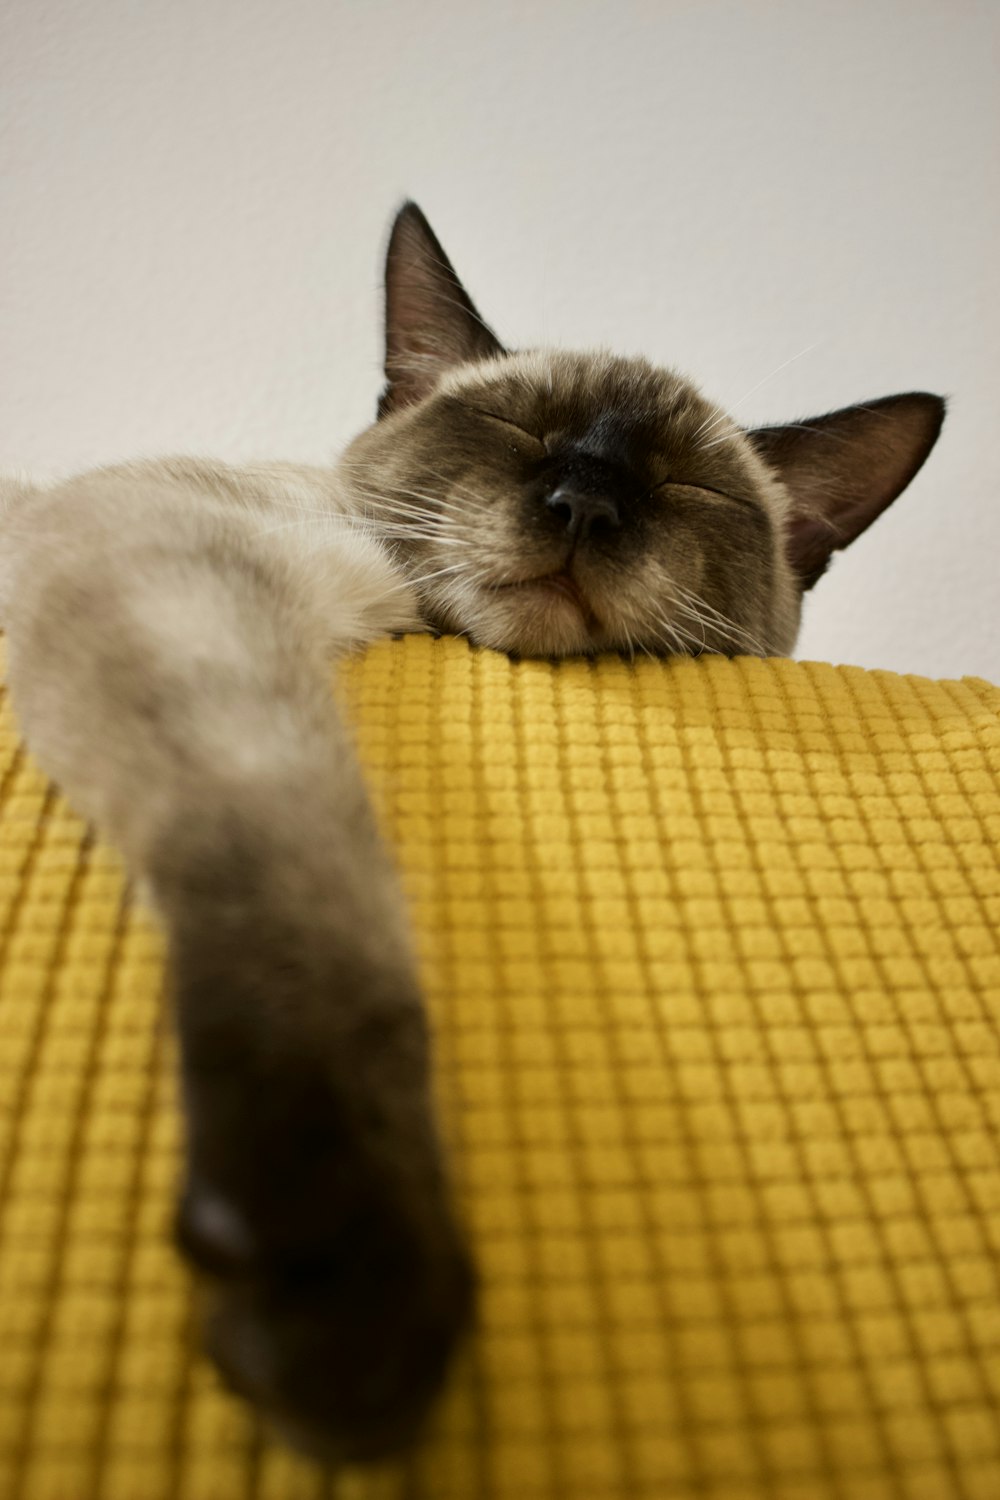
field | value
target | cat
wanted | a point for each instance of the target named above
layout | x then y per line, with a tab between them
170	626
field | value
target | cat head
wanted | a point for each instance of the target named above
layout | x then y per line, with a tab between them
548	503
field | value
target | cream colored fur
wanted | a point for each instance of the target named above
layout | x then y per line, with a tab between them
233	586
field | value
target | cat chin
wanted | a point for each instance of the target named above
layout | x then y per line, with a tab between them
536	619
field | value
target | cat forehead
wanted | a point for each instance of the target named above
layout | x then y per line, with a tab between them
591	380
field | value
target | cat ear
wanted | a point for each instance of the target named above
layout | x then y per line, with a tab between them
430	320
845	468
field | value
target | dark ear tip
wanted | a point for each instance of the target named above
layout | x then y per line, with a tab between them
938	405
925	410
930	399
934	407
409	215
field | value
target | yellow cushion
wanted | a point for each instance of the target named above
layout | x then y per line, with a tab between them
712	950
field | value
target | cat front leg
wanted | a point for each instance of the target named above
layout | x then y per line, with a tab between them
316	1201
168	667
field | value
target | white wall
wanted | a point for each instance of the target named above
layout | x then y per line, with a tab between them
194	195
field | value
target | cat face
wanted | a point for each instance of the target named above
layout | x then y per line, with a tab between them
549	503
574	503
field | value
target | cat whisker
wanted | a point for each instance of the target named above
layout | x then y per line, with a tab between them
423	578
407	520
674	641
705	625
319	518
460	492
697	619
448	480
406	534
712	420
430	526
724	621
629	642
665	633
414	525
402	525
432	507
694	607
689	599
436	502
709	426
820	432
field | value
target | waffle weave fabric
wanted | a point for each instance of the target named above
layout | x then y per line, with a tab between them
712	953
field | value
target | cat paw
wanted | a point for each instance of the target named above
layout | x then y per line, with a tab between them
342	1339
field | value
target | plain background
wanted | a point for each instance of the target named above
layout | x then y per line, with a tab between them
796	203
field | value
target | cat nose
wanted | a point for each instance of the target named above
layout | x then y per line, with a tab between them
581	511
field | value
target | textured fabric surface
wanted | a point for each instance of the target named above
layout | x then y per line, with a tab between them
712	951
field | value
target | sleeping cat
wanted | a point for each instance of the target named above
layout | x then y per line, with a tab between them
170	626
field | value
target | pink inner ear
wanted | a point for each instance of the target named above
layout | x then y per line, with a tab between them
844	469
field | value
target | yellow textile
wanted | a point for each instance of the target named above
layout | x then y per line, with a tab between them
712	949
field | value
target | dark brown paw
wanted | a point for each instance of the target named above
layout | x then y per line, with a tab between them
316	1206
342	1341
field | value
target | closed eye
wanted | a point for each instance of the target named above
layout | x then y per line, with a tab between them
703	489
495	417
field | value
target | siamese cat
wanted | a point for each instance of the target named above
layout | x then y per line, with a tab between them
170	629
